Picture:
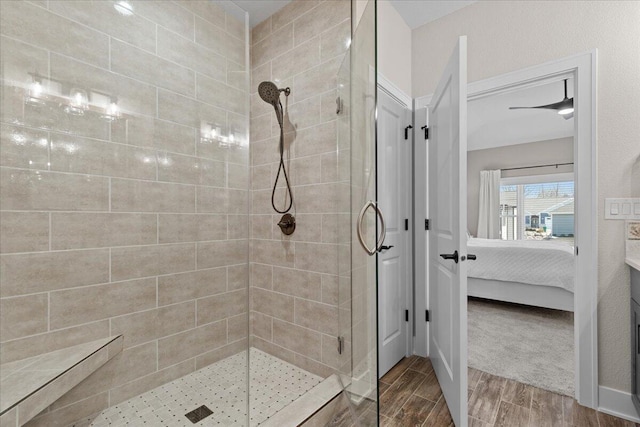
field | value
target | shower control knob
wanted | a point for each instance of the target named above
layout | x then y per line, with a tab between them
287	224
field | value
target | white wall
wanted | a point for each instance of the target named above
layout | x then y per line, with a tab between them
530	154
508	35
394	47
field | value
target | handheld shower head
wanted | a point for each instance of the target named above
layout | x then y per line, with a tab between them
270	93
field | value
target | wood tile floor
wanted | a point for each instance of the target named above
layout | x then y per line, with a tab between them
410	396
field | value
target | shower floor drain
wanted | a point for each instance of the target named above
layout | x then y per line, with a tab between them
198	414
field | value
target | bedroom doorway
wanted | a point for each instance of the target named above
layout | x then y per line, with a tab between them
521	211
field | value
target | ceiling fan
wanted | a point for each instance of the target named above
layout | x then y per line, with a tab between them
564	107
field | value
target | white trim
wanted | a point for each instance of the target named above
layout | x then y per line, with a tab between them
617	403
584	67
394	91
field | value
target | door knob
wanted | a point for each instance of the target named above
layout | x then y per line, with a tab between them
453	256
384	248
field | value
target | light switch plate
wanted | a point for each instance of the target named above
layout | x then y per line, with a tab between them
624	209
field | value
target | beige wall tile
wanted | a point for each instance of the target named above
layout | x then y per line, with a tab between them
22	316
191	170
330	291
210	36
156	379
300	115
238	327
262	226
22	147
76	40
44	343
261	325
30	273
299	283
168	15
237	75
212	12
9	418
103	17
187	111
308	228
130	364
272	304
275	44
238	227
320	198
322	258
138	328
261	128
145	261
273	349
67	415
86	156
221	95
324	16
261	177
138	64
292	11
236	27
19	58
149	132
24	231
237	176
174	228
188	286
317	80
297	60
221	306
296	338
188	344
222	253
336	40
316	140
213	356
238	277
133	96
75	230
281	253
317	316
37	190
259	74
81	305
147	196
260	31
261	276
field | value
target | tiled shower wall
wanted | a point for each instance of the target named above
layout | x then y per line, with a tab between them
294	279
137	226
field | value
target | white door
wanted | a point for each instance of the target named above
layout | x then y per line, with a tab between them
394	190
447	235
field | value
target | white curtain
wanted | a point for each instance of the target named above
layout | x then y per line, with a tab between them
489	207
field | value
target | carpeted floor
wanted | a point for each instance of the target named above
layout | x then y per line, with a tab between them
529	344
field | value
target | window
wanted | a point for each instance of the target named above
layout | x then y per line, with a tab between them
537	207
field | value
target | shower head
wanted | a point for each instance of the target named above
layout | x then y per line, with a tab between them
269	92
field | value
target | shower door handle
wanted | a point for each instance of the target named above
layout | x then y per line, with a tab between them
383	228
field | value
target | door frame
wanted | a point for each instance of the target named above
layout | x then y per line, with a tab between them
405	101
583	67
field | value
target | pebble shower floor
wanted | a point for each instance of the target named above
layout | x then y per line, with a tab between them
222	388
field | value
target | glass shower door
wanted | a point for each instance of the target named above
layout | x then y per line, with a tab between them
359	225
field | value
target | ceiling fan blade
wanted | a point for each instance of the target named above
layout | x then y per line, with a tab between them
555	106
547	107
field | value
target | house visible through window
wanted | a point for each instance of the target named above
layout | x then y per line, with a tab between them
537	207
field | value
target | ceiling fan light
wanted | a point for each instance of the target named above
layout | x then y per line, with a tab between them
565	111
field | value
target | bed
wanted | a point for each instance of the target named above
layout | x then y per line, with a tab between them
532	272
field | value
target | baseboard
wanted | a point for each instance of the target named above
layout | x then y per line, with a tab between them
617	403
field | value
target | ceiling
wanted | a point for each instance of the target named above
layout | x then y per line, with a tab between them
492	124
259	10
418	12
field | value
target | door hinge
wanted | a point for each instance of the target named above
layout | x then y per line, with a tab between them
338	105
426	315
576	250
406	224
406	315
425	128
340	344
426	224
406	131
